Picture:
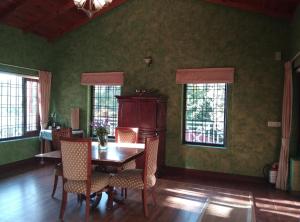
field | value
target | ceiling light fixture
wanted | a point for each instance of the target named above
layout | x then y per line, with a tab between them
90	7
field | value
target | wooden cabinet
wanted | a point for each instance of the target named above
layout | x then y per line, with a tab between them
148	113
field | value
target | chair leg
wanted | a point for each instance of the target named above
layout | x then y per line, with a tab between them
124	193
80	198
110	197
54	185
97	200
63	204
144	198
153	193
87	207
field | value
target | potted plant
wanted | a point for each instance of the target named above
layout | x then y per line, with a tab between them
101	129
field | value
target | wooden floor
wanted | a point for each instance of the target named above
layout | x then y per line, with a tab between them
25	196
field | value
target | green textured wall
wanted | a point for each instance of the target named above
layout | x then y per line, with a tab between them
295	34
294	47
185	34
26	50
18	150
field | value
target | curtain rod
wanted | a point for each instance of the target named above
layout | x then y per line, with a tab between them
18	67
295	57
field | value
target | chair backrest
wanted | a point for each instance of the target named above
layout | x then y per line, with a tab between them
76	158
57	134
151	149
126	135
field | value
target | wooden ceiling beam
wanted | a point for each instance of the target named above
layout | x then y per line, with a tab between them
9	10
56	17
63	9
85	20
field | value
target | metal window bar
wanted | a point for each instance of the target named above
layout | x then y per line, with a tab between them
105	106
13	99
11	106
32	116
204	114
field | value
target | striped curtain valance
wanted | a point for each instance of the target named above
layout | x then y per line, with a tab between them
205	75
102	78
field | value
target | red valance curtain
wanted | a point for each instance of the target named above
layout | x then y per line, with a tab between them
205	75
102	78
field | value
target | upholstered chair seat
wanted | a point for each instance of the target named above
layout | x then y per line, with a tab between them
129	165
132	179
127	135
98	182
141	179
77	172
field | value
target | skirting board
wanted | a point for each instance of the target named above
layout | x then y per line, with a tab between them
182	172
11	167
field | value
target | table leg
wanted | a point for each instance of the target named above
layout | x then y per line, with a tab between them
94	199
42	150
113	197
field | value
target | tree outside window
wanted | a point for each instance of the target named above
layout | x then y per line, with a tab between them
205	118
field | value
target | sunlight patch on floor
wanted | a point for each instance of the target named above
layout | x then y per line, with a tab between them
232	199
232	204
241	196
186	192
219	210
184	203
281	213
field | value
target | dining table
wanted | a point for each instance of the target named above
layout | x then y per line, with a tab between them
114	155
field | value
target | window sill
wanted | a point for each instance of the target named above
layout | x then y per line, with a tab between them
109	139
196	146
19	139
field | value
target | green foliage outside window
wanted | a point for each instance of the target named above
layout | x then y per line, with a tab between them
205	114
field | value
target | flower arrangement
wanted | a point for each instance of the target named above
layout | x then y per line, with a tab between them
52	120
102	130
101	127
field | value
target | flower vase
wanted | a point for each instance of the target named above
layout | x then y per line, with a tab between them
102	141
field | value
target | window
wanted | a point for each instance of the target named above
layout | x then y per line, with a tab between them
105	106
18	106
205	114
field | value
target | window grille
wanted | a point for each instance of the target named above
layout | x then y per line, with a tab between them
32	120
105	106
18	106
205	114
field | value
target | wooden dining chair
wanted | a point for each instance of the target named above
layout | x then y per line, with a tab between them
56	135
77	172
127	135
141	179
